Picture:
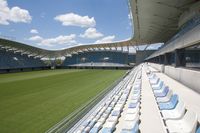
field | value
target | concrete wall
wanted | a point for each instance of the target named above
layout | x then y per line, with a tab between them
141	55
190	78
156	66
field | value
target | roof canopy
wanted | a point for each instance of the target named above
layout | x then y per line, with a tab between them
154	21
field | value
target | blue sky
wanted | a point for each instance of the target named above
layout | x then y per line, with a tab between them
60	24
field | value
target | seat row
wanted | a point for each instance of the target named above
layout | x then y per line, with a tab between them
177	118
105	117
131	119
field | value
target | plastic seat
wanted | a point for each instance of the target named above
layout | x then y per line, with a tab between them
131	117
133	105
176	113
132	101
109	127
158	86
148	71
161	93
85	123
80	130
130	127
112	104
135	97
133	110
119	107
138	82
121	102
91	124
115	113
166	98
152	76
102	119
154	81
161	89
94	130
185	125
169	105
106	130
108	110
137	86
113	118
86	130
96	127
136	92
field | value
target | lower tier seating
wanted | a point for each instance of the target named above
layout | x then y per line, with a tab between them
177	117
122	110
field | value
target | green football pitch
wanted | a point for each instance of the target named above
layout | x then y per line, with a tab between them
32	102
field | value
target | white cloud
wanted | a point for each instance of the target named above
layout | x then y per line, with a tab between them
72	19
36	38
50	42
107	39
69	40
14	14
59	40
34	31
91	33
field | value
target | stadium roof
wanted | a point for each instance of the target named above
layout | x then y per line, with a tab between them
154	21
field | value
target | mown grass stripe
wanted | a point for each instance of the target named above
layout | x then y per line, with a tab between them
33	105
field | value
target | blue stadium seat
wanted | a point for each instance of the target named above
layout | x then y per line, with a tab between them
132	105
158	86
154	81
94	130
169	105
133	129
162	93
115	113
107	130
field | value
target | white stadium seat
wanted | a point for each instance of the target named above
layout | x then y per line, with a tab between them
185	125
131	117
166	98
176	113
133	110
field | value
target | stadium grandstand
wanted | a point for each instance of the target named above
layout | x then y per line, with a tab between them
145	91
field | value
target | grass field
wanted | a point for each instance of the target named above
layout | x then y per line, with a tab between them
32	102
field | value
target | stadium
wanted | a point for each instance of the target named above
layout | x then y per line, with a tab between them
109	87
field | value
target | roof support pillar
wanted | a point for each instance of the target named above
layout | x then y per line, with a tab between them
116	48
166	59
128	48
179	57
